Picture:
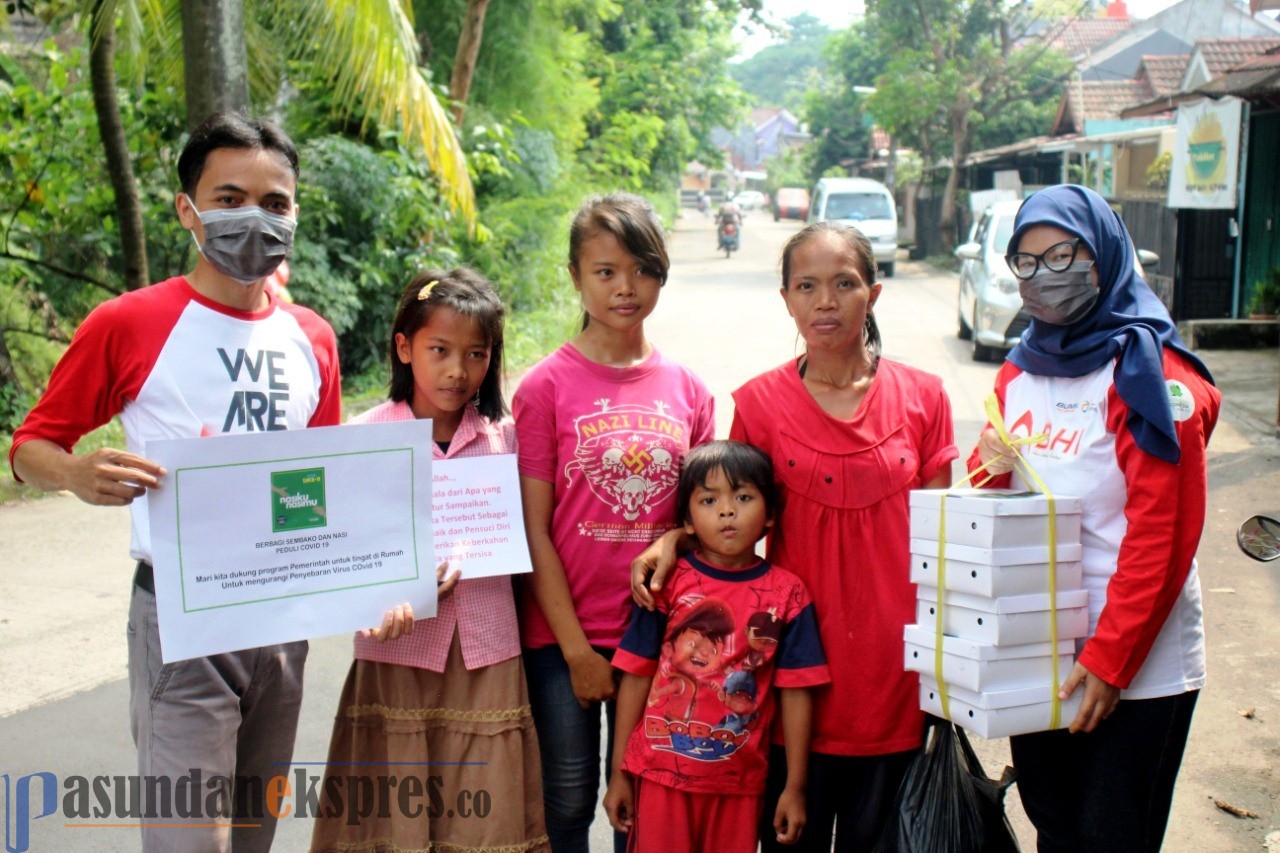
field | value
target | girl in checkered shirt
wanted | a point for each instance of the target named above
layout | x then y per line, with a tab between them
444	699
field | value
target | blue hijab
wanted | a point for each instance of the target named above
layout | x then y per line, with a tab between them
1128	320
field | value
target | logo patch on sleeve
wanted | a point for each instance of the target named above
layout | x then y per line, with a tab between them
1181	403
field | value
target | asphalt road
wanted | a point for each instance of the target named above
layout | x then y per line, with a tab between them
64	571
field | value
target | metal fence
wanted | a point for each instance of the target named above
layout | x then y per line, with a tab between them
930	239
1154	227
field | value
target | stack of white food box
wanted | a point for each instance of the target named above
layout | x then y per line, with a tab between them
997	649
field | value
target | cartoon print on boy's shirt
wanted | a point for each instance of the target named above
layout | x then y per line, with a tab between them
706	729
695	740
703	677
693	654
629	455
738	694
764	630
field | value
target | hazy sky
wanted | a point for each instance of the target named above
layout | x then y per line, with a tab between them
838	14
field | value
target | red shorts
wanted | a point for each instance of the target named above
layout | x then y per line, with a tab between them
671	821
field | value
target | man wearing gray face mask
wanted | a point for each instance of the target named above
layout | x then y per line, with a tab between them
246	243
242	233
207	353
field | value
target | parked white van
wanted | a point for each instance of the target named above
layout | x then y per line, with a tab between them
868	206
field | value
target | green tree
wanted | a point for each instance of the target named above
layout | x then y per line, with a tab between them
531	68
596	96
128	204
372	217
58	251
780	74
836	113
664	85
1053	9
952	64
464	63
568	97
366	51
1021	119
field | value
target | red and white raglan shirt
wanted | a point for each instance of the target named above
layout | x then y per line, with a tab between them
175	364
1142	516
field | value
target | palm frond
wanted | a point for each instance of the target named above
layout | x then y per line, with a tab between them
367	48
267	62
370	52
162	23
148	36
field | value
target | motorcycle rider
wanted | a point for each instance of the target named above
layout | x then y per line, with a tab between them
729	214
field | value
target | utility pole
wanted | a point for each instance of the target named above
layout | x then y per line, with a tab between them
890	172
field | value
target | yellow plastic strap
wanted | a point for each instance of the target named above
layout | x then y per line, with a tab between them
1029	474
997	422
944	697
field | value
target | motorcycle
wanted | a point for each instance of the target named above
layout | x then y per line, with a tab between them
728	237
1259	537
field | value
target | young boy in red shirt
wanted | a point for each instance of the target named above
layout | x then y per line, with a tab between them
696	702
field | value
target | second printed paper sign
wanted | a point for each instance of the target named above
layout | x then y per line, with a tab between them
479	526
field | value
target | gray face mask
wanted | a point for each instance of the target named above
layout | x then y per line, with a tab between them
1059	298
244	243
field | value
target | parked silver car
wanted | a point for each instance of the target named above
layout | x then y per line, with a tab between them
990	314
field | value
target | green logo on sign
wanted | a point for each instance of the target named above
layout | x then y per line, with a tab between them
297	499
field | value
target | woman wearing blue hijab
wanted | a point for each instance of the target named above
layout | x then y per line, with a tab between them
1126	412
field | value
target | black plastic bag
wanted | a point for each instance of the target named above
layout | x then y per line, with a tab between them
946	803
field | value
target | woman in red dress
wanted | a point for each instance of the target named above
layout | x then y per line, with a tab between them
850	435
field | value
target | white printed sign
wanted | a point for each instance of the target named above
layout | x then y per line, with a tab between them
479	525
278	536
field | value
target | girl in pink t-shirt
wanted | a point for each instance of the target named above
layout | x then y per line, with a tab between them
444	696
604	423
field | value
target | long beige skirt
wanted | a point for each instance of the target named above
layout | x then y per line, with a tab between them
426	761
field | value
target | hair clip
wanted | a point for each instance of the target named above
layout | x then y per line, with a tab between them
426	289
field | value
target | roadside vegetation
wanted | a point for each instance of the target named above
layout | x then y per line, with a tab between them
942	77
412	165
439	132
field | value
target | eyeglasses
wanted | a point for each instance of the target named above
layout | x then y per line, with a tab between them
1055	258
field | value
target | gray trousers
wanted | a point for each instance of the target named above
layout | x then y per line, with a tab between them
198	725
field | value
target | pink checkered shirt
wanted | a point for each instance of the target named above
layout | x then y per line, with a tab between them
483	609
